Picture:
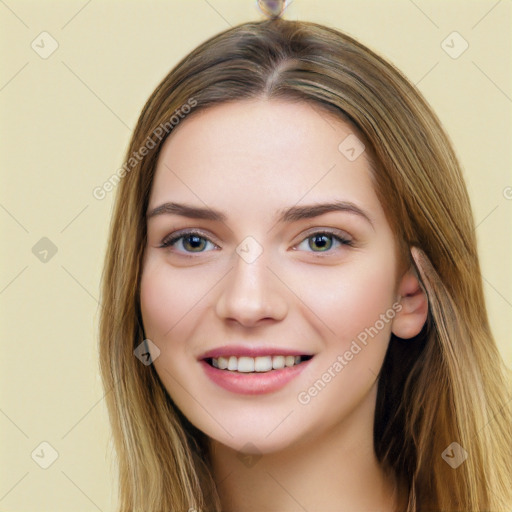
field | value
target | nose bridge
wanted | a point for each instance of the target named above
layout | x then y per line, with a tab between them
250	292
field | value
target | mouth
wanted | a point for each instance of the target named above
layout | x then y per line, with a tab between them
259	364
258	374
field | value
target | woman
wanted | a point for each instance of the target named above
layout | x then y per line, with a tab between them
360	376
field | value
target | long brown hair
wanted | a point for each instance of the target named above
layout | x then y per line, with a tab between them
446	386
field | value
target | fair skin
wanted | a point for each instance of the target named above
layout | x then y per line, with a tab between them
298	447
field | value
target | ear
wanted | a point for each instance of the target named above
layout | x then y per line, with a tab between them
411	318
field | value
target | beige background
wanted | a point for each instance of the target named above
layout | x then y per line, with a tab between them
66	121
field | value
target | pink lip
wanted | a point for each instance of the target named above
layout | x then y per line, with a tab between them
243	350
254	383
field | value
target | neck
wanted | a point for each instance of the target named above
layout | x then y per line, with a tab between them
337	471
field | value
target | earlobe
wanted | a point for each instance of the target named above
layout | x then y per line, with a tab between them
411	318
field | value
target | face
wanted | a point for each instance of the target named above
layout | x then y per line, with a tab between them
242	267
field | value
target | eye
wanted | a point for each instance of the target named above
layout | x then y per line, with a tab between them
190	242
324	241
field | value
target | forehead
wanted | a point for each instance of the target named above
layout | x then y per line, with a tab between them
262	154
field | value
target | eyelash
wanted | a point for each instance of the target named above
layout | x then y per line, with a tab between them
170	241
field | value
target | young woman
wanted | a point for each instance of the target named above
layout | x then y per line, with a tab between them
292	248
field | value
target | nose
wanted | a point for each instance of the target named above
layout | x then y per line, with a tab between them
251	294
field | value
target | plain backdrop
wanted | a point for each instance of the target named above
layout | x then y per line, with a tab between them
66	119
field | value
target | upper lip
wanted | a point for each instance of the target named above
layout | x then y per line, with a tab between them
243	350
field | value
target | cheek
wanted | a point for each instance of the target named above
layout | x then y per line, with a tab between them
156	302
168	306
355	306
343	302
167	298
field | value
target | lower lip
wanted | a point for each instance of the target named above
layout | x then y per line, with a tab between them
253	383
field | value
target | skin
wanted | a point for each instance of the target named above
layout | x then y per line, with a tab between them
251	159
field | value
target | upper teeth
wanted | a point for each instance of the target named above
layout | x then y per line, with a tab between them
254	364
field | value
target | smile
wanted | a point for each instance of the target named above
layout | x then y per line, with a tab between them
260	364
258	375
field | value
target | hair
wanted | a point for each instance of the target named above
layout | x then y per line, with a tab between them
448	384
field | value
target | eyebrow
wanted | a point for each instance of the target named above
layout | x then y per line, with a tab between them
291	214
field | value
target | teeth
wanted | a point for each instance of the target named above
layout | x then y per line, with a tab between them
246	364
263	364
278	362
